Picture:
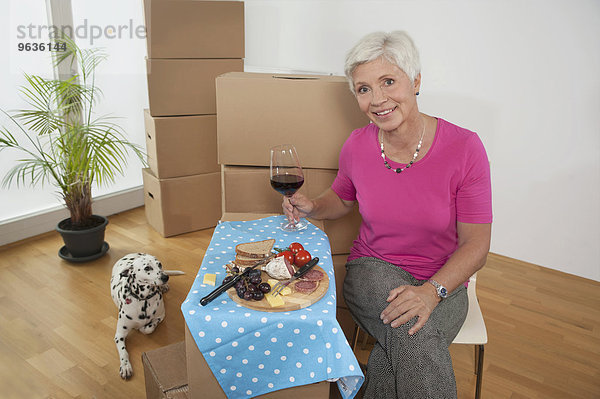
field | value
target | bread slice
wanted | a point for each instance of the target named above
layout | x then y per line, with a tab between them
241	260
256	249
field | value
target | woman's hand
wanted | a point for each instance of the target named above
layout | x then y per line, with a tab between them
406	302
296	207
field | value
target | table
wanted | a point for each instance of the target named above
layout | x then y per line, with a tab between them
251	352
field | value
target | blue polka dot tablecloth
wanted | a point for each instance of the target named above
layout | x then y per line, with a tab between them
251	352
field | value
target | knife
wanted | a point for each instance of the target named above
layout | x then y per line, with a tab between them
224	287
301	272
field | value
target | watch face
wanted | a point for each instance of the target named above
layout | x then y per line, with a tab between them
443	292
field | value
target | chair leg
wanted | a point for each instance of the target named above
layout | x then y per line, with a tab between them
475	358
479	349
364	341
355	337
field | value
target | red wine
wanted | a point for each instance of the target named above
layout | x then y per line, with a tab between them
287	184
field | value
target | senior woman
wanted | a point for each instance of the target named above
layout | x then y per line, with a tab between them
423	189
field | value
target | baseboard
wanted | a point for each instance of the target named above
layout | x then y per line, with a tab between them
44	221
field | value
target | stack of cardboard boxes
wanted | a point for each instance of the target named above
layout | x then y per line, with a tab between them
190	43
316	114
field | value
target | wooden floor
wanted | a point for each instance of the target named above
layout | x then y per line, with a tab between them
57	322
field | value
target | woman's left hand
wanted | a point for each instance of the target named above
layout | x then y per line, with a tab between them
406	302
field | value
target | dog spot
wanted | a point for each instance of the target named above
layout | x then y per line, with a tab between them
142	317
127	317
125	327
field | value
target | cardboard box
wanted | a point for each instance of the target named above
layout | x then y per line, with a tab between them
202	383
257	111
244	216
181	145
194	29
165	372
248	189
185	86
182	204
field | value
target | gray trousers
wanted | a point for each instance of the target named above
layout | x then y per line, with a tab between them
400	365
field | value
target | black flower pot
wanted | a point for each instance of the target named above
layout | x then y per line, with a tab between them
82	245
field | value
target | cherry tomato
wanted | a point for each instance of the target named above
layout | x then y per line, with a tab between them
289	256
302	258
295	247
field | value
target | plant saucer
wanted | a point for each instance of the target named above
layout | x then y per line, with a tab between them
66	255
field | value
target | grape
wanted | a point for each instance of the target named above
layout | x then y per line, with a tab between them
252	288
241	292
235	269
258	295
239	284
227	279
248	295
255	280
264	287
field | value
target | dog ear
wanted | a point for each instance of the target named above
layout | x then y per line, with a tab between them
125	273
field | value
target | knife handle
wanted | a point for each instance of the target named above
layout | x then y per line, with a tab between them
302	271
224	287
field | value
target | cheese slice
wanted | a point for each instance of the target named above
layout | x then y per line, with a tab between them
284	292
210	279
274	301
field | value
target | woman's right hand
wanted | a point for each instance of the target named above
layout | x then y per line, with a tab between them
296	207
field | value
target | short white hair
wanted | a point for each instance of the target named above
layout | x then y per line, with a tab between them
397	47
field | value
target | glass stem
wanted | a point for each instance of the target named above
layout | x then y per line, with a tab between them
293	222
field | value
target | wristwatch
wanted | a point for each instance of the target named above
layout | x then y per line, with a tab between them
441	290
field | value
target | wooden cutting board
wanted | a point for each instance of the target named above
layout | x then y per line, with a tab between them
293	301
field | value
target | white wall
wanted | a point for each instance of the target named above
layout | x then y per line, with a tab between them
523	74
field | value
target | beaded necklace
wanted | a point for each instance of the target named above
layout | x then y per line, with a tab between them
415	155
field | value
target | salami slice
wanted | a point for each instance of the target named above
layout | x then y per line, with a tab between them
289	266
305	287
313	275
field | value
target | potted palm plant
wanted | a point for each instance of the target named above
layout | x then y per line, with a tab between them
64	143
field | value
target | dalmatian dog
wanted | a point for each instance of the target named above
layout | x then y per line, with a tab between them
137	286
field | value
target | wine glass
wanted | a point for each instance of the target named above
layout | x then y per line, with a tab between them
286	177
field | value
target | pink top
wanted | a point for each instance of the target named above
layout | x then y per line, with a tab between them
409	218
